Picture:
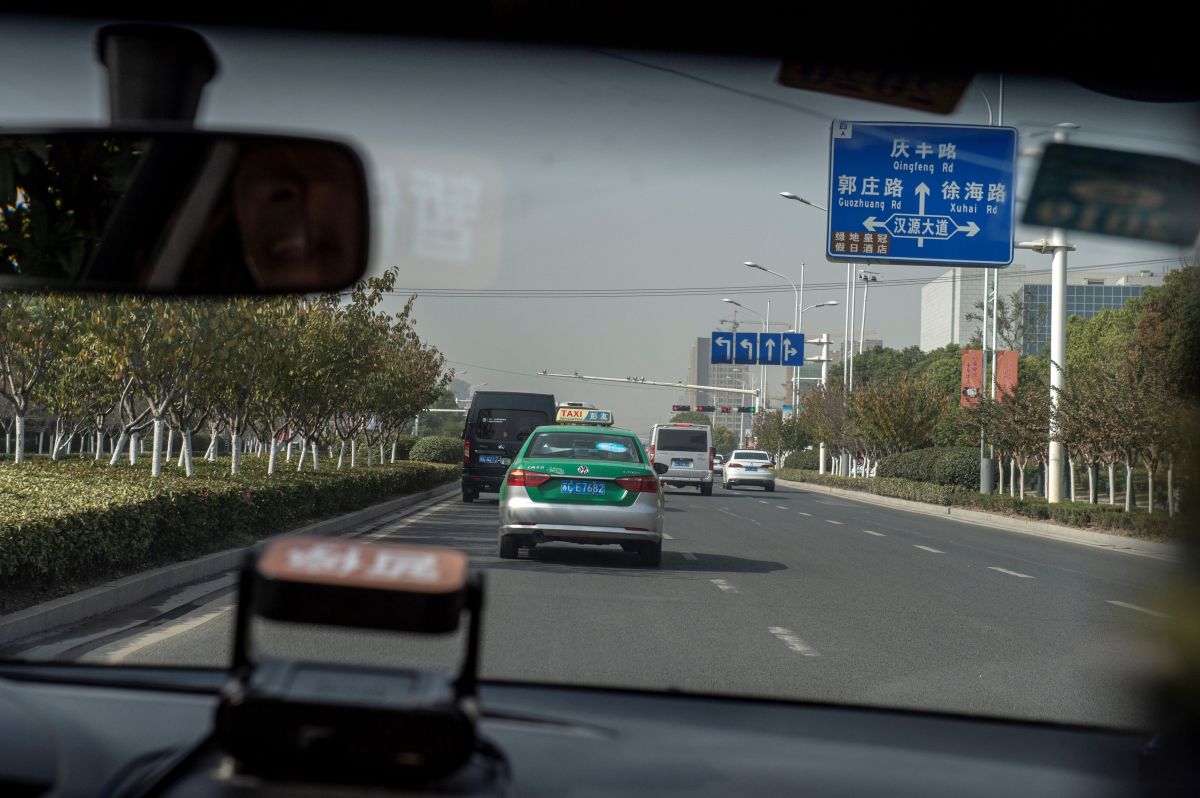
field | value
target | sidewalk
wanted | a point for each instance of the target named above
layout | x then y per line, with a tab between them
119	593
1086	537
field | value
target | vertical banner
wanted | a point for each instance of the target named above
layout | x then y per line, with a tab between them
1006	373
972	377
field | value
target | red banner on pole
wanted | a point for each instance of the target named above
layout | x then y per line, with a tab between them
1006	373
972	377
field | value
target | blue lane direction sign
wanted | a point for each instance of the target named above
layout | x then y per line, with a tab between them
745	348
770	347
912	193
793	349
722	347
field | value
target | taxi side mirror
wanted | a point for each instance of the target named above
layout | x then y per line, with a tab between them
661	468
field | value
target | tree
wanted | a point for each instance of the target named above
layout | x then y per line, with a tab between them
887	418
692	417
824	416
1012	321
31	338
724	440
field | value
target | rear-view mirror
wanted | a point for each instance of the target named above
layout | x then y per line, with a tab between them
190	212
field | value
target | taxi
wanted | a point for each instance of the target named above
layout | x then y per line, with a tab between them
582	481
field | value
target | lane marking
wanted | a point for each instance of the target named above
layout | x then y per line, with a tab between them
876	534
804	513
780	507
793	642
687	555
1010	573
1138	609
926	548
763	501
831	521
165	633
740	518
725	586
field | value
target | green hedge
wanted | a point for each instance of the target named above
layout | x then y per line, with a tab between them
71	521
437	449
1103	517
808	459
404	444
944	465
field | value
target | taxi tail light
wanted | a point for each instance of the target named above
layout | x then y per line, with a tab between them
639	484
466	452
527	479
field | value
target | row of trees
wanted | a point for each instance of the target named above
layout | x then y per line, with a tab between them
275	370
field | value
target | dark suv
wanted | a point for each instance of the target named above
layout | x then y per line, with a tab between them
497	424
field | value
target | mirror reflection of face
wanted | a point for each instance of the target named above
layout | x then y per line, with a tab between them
300	214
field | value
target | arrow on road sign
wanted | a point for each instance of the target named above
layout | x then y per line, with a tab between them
873	224
769	345
970	227
793	349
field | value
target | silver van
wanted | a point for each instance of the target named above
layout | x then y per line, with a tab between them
687	451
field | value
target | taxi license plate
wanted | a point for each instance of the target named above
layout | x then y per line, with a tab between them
582	487
489	458
681	464
751	468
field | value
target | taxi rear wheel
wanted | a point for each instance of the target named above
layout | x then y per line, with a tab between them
508	547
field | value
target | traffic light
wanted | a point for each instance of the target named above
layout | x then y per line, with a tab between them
681	408
726	409
746	409
706	408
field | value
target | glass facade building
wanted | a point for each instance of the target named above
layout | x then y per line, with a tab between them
1084	301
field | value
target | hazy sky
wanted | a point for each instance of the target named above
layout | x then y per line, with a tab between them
498	167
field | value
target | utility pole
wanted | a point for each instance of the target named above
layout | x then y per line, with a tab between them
824	361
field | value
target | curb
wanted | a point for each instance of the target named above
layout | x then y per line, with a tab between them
128	590
1085	537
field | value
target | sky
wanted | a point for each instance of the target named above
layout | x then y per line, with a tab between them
499	168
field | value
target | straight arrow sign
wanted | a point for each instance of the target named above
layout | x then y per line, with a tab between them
769	349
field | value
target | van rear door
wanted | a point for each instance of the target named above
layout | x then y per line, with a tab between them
498	435
685	452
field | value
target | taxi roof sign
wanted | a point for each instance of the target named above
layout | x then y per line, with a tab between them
583	415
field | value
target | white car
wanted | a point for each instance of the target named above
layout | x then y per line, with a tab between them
749	467
718	464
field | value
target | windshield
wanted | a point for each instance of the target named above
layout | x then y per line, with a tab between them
713	240
507	425
583	446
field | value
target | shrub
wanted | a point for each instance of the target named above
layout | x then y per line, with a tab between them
948	465
437	449
77	520
807	459
404	444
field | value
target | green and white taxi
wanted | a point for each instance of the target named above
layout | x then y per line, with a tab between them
582	481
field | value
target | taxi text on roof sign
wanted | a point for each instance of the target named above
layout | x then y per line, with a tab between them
580	415
912	193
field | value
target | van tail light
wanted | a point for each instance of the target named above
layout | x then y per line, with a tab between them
652	453
466	452
639	484
526	479
711	453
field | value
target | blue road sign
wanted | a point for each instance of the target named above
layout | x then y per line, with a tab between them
745	348
939	194
770	347
722	347
793	349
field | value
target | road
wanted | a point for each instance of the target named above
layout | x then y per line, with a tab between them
788	594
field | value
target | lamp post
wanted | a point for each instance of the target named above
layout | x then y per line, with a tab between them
797	310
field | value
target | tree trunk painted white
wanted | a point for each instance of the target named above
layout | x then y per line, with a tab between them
395	444
382	459
1128	487
170	444
1171	489
289	451
300	459
7	443
341	456
1149	491
99	445
19	455
370	455
185	451
1071	469
54	446
354	453
1091	483
134	448
316	458
117	448
235	453
156	449
271	456
41	441
1022	480
1112	486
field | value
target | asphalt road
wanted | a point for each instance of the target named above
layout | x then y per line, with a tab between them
789	594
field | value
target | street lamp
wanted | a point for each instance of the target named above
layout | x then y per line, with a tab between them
762	378
797	309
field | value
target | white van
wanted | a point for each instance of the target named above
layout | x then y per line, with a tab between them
687	451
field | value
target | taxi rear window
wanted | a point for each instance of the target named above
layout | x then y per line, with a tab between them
507	425
682	440
584	446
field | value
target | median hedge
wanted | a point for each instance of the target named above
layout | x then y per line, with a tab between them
78	521
942	465
809	459
1101	517
437	449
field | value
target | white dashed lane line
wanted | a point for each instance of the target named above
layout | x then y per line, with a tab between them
668	537
780	507
724	586
687	555
876	534
804	513
1136	608
1010	573
794	643
928	549
831	521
